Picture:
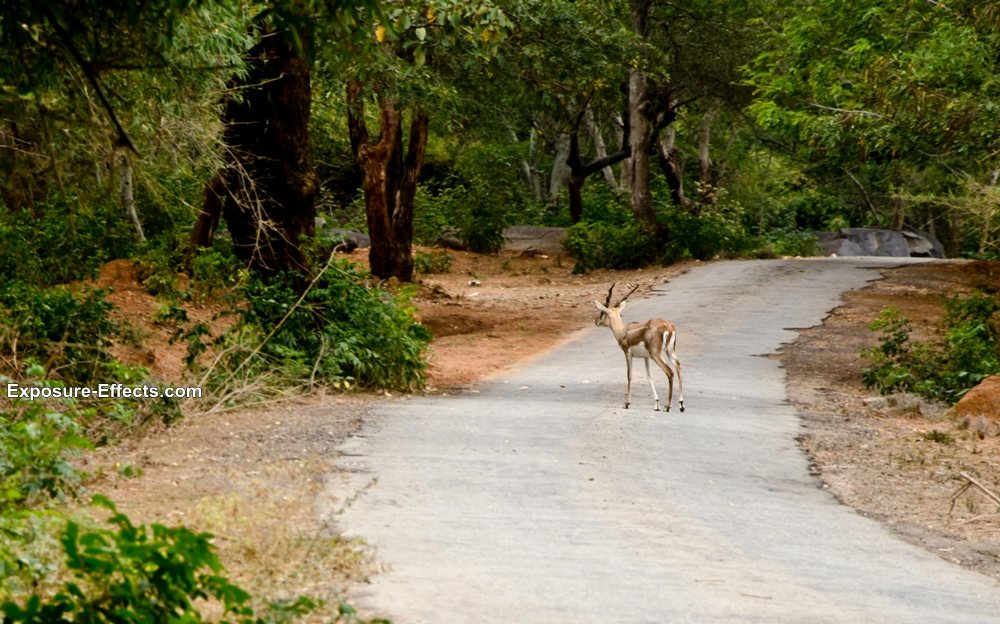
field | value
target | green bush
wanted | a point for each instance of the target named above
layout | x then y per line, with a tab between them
967	355
432	262
68	330
60	241
37	448
128	573
341	330
597	245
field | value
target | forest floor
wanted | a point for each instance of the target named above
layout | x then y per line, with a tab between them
255	476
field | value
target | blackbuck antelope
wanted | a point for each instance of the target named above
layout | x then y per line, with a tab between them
655	339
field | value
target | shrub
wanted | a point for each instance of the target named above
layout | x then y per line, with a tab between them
967	355
35	244
432	262
68	330
130	573
597	245
340	331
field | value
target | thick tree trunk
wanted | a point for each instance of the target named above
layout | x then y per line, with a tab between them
641	142
389	181
267	187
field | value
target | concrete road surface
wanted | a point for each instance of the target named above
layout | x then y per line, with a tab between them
536	498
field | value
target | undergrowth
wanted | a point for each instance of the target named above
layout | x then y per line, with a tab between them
968	352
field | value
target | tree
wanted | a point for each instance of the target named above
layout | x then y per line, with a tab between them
266	188
402	67
889	99
389	180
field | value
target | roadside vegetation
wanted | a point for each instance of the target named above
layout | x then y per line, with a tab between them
200	141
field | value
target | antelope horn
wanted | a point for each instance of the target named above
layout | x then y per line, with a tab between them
607	302
634	288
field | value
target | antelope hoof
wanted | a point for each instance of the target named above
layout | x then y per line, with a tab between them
682	407
626	406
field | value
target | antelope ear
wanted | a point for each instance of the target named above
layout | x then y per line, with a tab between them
621	306
601	307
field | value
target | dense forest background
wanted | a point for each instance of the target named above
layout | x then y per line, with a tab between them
222	146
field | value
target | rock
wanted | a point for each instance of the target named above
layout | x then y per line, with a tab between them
546	240
879	242
923	245
349	240
981	401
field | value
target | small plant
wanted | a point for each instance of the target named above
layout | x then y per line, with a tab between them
940	437
967	355
130	573
432	262
170	314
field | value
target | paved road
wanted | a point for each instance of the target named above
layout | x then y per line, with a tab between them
537	499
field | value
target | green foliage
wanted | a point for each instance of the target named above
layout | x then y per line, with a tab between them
37	448
128	573
35	245
967	355
69	330
438	261
597	244
469	209
874	96
340	331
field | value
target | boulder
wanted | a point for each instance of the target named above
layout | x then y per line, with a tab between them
547	240
923	245
981	401
879	242
349	240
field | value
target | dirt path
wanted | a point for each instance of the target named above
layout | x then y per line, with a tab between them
243	476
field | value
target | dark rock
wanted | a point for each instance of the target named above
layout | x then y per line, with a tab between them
879	242
546	240
347	240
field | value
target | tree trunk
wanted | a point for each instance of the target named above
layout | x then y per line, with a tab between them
640	126
601	150
640	141
389	181
267	186
707	182
579	172
560	170
125	196
672	170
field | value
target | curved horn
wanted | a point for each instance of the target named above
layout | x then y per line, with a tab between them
634	288
607	302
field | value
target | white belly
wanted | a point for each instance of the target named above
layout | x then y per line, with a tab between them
638	351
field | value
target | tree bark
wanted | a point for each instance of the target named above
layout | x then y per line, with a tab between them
266	188
559	176
579	172
389	180
601	150
672	170
640	127
125	196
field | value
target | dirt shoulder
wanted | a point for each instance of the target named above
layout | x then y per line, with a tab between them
256	478
896	459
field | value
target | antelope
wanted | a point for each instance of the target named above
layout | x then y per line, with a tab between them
655	339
